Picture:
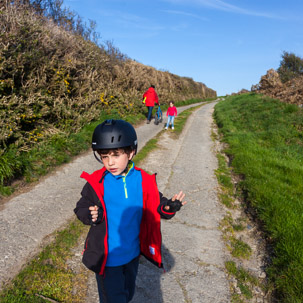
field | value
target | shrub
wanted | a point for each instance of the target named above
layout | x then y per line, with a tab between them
291	66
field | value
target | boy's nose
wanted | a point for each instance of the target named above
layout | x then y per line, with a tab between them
110	160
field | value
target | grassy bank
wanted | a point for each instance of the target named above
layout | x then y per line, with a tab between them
265	142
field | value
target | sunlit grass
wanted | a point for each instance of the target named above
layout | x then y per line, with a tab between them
47	275
245	281
265	141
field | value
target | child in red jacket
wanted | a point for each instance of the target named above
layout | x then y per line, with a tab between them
171	114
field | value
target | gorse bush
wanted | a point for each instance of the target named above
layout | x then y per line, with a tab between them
291	66
55	78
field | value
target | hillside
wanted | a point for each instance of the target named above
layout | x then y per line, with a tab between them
54	80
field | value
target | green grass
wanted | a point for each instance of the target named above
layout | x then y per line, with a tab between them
32	164
239	249
47	276
265	141
245	281
148	147
223	174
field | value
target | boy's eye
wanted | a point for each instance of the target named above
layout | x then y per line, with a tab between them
113	156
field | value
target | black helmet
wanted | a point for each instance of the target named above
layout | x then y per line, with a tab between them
114	134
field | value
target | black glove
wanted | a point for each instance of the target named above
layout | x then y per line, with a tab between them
174	206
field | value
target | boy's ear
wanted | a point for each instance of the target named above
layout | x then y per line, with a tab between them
132	153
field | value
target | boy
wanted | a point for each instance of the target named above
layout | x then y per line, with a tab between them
122	204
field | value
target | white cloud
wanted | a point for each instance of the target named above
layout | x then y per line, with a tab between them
224	6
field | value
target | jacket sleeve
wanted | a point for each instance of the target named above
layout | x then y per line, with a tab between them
163	213
88	198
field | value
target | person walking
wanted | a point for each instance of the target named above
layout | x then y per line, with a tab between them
150	98
171	114
123	205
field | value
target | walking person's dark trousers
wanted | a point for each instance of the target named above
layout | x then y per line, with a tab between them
150	111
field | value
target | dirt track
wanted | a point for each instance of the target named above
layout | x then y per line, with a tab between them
192	245
28	218
193	250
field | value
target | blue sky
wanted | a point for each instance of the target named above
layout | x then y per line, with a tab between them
228	45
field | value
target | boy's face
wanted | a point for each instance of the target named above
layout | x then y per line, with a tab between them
171	104
116	161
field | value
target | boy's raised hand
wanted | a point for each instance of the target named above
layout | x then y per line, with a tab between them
175	203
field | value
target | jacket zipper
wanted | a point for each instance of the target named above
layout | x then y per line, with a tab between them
125	188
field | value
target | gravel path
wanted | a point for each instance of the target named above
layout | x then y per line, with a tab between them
192	245
27	219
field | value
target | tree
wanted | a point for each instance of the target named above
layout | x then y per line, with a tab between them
291	66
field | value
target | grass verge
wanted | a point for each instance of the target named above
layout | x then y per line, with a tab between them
47	277
265	143
245	282
245	286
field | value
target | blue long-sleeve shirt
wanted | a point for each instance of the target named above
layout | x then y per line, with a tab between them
123	197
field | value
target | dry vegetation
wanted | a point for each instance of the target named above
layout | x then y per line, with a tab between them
53	80
56	77
290	91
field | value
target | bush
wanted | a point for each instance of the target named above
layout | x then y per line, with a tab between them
291	66
54	79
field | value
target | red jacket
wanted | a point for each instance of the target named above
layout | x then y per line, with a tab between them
96	246
171	111
151	97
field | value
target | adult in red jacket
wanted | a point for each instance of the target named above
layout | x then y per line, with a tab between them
150	97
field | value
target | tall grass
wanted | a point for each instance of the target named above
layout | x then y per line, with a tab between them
265	142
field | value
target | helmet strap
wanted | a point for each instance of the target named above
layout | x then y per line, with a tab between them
98	159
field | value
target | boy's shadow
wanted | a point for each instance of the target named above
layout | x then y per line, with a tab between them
148	282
